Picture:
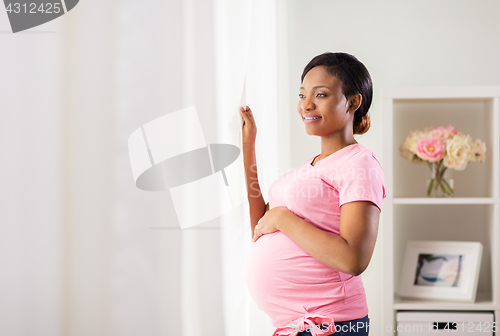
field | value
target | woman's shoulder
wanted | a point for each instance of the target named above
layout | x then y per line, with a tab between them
361	155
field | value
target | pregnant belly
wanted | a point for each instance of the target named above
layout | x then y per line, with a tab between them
285	281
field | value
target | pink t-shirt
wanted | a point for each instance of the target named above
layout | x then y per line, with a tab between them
285	281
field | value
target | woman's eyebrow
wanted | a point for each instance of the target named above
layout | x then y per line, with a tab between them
317	87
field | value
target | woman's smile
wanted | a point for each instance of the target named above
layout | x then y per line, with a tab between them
310	118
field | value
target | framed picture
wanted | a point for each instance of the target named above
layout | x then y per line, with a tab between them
441	270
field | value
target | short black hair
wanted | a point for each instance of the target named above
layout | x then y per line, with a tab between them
352	73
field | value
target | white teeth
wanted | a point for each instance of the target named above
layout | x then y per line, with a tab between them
311	117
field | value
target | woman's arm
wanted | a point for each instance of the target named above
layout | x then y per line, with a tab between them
348	253
255	199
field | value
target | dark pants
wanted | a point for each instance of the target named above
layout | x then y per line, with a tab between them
358	327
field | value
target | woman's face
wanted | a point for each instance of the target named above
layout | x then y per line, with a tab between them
321	97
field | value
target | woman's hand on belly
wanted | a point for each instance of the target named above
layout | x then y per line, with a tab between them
269	223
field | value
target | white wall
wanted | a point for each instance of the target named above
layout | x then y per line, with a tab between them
402	43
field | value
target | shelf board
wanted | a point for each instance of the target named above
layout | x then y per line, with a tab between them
444	200
483	302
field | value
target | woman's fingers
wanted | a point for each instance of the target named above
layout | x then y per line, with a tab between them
256	234
249	129
243	113
247	114
248	110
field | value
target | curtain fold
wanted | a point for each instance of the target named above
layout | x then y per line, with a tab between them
31	189
246	43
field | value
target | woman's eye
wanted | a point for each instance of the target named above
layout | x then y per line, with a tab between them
321	95
301	95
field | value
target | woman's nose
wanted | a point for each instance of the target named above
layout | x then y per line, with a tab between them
307	104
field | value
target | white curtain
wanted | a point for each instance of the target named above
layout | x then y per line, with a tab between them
82	250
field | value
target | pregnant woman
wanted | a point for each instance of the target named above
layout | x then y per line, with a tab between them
316	235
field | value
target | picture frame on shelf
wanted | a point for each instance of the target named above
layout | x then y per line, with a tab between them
441	270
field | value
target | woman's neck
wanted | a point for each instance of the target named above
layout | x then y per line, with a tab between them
331	144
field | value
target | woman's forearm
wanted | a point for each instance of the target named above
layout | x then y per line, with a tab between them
327	248
351	251
255	198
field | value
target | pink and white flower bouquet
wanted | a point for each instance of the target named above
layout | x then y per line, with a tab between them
442	148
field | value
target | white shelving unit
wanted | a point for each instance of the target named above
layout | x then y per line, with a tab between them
472	215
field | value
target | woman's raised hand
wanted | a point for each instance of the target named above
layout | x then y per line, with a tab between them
249	130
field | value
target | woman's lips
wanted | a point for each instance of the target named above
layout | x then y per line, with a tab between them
309	121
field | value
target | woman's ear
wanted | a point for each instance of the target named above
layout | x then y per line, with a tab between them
355	102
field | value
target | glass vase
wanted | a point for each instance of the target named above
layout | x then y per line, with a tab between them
440	181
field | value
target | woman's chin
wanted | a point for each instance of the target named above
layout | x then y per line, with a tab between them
309	131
